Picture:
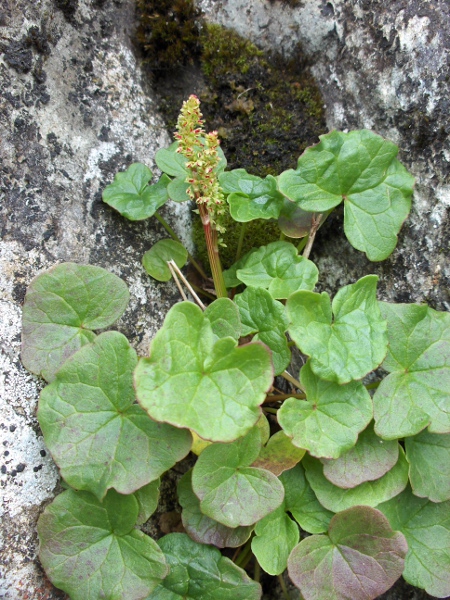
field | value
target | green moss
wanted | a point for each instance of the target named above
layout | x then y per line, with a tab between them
168	32
266	109
225	54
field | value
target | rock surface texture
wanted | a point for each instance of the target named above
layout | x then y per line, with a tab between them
76	108
385	68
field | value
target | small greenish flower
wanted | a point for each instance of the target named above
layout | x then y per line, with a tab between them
201	150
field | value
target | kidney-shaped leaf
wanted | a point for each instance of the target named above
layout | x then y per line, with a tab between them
99	437
193	380
155	260
132	196
230	490
428	455
278	268
360	558
62	307
275	537
199	572
279	454
416	393
251	197
370	459
328	422
426	527
353	344
360	168
265	317
203	529
91	550
371	493
302	503
223	315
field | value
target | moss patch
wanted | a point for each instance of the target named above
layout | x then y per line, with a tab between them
267	109
168	32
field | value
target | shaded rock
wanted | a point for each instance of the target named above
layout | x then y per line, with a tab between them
383	68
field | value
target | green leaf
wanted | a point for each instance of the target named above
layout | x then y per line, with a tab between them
172	162
251	197
294	221
360	558
416	393
279	454
62	307
155	259
278	268
426	527
223	315
353	344
91	550
360	168
177	189
229	275
199	572
428	455
302	502
265	317
370	493
98	436
193	380
328	422
147	497
277	534
370	459
203	529
230	490
275	537
131	195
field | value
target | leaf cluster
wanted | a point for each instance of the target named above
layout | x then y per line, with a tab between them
363	469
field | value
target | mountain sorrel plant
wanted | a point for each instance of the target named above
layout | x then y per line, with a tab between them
363	468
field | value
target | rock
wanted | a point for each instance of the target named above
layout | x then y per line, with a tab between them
385	68
76	109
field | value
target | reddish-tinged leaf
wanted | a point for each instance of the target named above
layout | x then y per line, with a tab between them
359	559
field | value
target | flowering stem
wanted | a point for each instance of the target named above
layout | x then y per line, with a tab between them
212	245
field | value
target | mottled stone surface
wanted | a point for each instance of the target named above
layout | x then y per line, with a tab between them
75	109
384	67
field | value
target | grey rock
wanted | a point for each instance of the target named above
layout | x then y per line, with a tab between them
385	68
75	109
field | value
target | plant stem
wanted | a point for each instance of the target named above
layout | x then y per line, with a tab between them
292	380
174	269
240	242
279	397
245	555
202	292
315	224
257	573
174	236
283	587
302	243
212	245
